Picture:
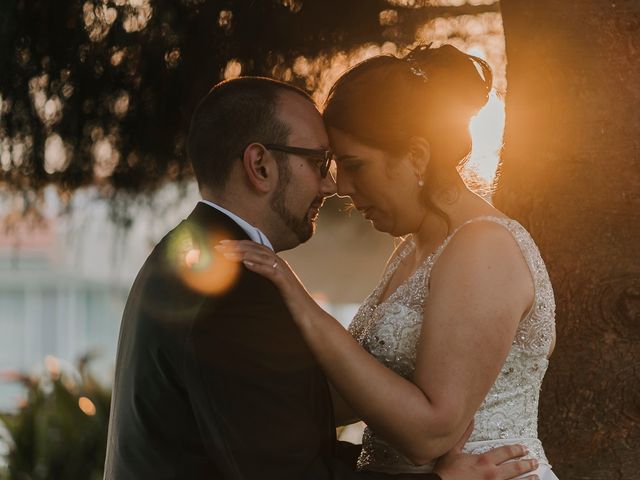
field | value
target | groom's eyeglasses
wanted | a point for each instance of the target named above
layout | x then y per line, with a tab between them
321	156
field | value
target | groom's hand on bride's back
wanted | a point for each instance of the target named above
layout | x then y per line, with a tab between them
502	463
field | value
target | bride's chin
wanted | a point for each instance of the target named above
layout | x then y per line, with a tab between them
378	221
391	228
381	226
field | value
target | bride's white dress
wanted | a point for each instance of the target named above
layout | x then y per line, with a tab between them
389	330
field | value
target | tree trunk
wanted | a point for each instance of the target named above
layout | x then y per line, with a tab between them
571	175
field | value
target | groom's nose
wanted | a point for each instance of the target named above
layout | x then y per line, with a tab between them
328	185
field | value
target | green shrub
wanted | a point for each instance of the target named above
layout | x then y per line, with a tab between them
60	430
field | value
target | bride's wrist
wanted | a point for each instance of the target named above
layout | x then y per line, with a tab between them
308	312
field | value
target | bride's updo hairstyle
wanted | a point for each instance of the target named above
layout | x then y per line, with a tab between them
430	93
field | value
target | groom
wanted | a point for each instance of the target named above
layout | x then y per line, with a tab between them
213	380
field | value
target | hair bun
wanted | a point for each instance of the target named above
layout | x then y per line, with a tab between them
454	77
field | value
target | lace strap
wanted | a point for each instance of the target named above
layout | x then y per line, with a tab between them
397	256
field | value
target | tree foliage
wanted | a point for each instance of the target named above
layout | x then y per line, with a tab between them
60	431
112	83
107	87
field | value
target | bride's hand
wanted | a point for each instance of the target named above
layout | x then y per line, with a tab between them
265	262
501	463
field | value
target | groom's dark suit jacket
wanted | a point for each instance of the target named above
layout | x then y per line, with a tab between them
216	386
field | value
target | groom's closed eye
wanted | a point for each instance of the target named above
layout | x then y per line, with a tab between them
319	164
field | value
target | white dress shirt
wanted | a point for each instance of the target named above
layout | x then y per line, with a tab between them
254	233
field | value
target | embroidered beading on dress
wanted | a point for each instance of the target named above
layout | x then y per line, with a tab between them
390	329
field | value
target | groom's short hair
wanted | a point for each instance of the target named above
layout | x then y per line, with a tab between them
232	115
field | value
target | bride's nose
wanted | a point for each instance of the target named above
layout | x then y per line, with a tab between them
344	184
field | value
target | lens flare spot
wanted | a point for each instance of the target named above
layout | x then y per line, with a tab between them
193	256
87	406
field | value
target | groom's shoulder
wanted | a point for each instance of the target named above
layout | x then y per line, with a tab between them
186	259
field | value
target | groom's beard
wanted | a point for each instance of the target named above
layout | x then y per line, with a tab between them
303	228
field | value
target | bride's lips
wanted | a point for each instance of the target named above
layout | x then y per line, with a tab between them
366	212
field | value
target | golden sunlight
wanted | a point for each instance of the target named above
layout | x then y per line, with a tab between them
486	132
481	35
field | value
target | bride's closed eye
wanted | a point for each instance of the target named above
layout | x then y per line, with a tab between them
351	165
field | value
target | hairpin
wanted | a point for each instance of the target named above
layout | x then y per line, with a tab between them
415	68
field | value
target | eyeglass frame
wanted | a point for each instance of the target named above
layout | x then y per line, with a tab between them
322	154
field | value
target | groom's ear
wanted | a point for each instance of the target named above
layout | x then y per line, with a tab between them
260	167
419	153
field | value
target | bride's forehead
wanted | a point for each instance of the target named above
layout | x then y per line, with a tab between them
346	145
340	139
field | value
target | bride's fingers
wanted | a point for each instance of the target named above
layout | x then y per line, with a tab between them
272	271
237	251
249	253
241	245
517	468
234	256
500	455
255	257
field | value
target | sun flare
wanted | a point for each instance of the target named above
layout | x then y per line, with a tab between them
487	129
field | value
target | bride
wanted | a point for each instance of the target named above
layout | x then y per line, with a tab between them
461	325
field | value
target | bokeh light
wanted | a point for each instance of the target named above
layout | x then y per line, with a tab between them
87	406
232	70
55	155
52	364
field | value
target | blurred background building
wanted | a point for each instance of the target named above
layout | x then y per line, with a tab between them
50	309
64	278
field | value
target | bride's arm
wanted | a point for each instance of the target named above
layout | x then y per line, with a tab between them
479	289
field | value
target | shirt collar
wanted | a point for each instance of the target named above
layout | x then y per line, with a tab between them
254	233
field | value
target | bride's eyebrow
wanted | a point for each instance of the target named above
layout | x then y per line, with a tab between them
343	158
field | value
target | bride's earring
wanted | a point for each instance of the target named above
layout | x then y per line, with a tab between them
420	181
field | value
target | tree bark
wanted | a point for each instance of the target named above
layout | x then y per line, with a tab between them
571	175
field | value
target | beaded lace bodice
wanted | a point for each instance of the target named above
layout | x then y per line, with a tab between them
389	330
